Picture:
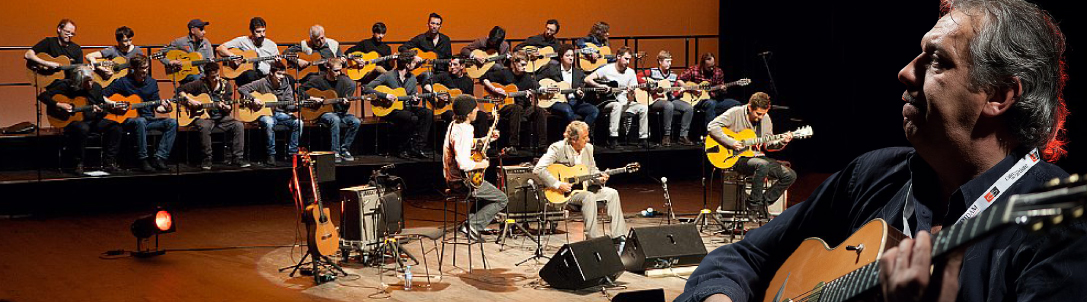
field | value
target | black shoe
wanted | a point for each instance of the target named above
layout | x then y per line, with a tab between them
110	166
685	141
404	155
205	164
270	161
417	154
612	143
158	164
666	141
241	163
77	170
645	143
145	166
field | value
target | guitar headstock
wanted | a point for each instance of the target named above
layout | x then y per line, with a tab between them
743	82
802	132
632	167
1058	201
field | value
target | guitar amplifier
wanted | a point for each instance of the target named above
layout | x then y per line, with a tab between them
523	199
366	215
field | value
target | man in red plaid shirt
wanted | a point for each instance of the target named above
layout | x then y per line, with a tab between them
707	71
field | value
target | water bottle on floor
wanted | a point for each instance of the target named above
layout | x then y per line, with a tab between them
407	277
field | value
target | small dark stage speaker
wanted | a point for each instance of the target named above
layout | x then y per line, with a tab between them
663	246
646	295
583	265
324	165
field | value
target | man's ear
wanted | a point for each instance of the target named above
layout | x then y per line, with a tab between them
1003	98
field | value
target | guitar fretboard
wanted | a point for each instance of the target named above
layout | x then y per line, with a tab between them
866	278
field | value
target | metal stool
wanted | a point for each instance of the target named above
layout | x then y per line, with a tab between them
452	196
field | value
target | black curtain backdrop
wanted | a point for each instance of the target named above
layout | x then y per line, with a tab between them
836	63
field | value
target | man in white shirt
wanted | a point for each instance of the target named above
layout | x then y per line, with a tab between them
575	149
457	159
624	77
258	41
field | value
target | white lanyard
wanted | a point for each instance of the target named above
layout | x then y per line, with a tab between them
986	199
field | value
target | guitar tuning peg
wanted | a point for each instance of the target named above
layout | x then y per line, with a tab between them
1074	178
1053	182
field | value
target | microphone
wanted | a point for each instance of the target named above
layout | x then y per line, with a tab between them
766	53
664	180
532	184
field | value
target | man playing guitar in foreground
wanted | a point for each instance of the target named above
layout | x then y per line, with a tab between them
966	136
575	149
139	82
755	116
457	159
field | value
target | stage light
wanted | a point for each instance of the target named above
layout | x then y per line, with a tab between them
161	222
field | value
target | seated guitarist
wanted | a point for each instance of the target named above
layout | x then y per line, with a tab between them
545	39
258	41
576	107
623	75
61	45
575	149
414	121
194	41
967	135
598	35
333	80
668	104
139	82
524	107
318	43
281	86
79	84
495	42
707	71
432	40
375	44
754	116
212	84
124	48
457	158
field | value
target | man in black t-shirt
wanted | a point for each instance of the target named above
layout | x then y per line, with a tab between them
457	79
524	107
61	45
414	121
546	39
375	44
333	79
79	84
433	41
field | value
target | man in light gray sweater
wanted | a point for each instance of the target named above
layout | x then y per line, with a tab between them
754	116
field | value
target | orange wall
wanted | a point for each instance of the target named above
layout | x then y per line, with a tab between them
26	22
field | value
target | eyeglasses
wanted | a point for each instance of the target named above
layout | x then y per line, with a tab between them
65	32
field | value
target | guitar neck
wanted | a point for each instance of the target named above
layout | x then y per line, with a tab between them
764	139
593	176
866	278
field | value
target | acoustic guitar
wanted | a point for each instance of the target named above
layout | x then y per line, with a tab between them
849	271
656	90
580	178
474	178
605	94
127	106
429	59
441	104
538	57
249	58
383	107
249	112
43	76
119	66
314	59
356	71
59	118
322	237
191	113
311	111
724	157
694	93
586	60
495	101
552	92
475	69
190	63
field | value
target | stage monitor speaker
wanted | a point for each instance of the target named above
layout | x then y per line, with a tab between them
583	264
366	215
645	295
517	187
324	165
663	246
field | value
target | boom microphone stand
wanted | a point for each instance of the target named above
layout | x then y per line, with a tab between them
536	255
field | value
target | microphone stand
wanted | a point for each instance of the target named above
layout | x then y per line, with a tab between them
667	202
536	255
766	63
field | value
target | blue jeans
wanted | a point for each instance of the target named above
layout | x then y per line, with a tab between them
336	119
586	111
168	126
668	110
269	122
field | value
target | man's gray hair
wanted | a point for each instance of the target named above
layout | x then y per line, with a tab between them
1016	39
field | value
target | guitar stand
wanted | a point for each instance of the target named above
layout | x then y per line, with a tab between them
316	265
